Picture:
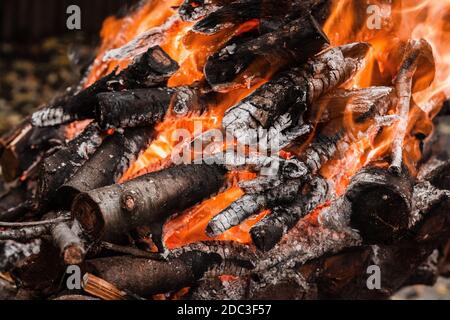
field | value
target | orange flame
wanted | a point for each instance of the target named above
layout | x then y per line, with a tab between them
349	21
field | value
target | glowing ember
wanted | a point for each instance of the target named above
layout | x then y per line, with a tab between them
399	22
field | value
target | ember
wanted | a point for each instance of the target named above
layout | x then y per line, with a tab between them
238	147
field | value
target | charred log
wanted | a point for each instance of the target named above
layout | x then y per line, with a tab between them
136	108
60	166
107	164
297	40
293	90
268	232
151	68
24	148
68	242
111	212
416	73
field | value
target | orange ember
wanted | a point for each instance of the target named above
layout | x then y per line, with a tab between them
386	26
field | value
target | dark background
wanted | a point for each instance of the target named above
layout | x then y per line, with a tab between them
32	20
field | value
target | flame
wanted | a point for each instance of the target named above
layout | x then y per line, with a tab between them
348	22
399	21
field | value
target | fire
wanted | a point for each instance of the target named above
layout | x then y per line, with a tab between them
348	22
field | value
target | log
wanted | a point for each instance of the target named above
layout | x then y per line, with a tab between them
107	164
293	90
151	68
297	40
416	73
377	203
111	212
12	252
62	165
24	147
140	107
15	203
191	10
68	242
268	232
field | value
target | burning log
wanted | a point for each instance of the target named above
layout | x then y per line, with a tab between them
362	104
111	212
278	191
377	203
293	90
107	164
149	69
60	166
192	10
141	107
268	232
297	40
23	148
184	267
416	73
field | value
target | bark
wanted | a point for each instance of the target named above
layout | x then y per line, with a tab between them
111	212
24	148
151	68
293	90
299	40
107	164
416	73
136	108
62	165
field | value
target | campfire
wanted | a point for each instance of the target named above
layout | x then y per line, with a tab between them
239	149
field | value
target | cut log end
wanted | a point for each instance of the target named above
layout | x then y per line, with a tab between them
87	212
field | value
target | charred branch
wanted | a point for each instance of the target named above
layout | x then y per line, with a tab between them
297	40
136	108
153	67
107	165
416	73
293	90
268	232
60	166
68	242
111	212
24	148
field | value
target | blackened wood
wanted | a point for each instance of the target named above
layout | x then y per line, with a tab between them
107	164
151	68
12	252
191	10
69	243
141	107
24	148
24	234
416	73
293	90
113	211
363	104
297	40
60	166
268	232
15	203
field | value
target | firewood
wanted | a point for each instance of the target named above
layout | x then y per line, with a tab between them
60	166
105	290
24	148
25	234
293	90
377	203
149	69
15	203
141	107
268	232
191	10
281	191
363	104
107	165
111	212
416	73
297	40
68	242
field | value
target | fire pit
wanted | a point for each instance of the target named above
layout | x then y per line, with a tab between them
239	149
